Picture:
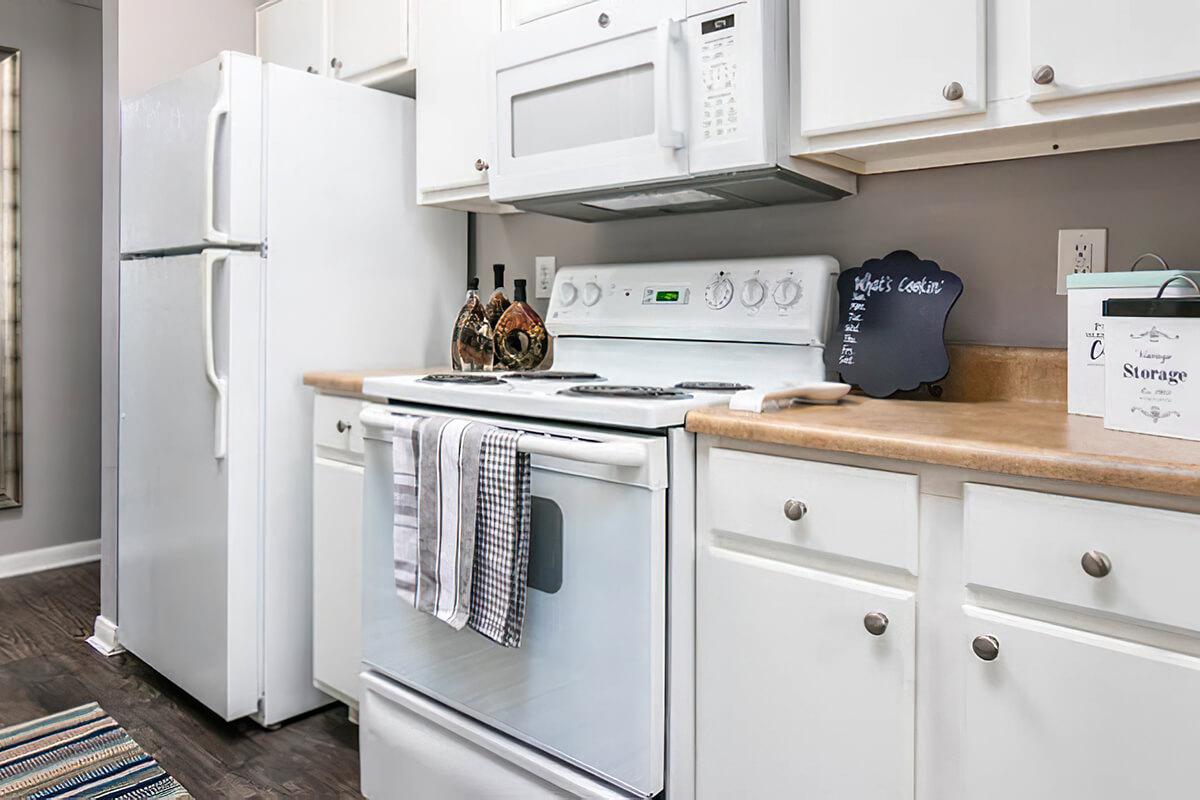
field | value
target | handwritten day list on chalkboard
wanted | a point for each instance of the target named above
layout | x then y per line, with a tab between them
891	328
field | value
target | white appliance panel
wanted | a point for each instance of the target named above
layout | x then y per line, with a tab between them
191	159
189	560
358	275
595	626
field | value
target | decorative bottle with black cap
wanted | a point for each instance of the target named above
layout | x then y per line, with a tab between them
471	345
521	338
497	304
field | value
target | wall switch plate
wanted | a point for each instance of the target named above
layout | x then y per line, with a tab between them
1081	251
543	276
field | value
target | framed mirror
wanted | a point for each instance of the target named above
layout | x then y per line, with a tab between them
10	278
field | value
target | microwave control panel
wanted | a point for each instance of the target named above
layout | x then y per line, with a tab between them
719	78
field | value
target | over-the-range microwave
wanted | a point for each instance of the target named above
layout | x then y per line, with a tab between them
635	108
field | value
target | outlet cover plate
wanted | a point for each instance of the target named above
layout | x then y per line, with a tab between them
1081	250
543	275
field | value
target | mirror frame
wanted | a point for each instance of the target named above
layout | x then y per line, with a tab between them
11	434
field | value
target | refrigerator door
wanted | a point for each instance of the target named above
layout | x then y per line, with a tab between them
189	478
191	160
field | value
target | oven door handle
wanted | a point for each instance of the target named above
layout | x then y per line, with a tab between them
667	33
617	454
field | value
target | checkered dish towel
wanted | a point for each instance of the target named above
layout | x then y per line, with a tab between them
501	540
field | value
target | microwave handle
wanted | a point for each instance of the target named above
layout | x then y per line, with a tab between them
668	32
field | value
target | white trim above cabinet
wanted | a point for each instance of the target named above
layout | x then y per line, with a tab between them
1059	77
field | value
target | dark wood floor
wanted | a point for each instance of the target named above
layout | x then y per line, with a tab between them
46	666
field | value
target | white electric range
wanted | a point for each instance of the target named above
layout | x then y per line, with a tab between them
598	701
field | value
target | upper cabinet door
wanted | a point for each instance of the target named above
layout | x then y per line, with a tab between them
864	64
291	33
1076	48
366	35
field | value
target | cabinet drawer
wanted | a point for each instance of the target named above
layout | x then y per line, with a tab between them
336	425
1034	544
866	514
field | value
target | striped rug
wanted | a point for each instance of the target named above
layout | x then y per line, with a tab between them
79	753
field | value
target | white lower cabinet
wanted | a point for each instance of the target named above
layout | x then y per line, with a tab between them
1062	713
795	696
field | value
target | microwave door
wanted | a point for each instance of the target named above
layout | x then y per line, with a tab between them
591	99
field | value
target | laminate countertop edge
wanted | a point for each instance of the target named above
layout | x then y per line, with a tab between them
1054	446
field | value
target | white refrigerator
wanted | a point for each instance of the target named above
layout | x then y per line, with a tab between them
268	227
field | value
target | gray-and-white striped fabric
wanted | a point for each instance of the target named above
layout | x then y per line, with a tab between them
502	540
406	445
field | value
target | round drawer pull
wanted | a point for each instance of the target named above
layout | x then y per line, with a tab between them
953	91
986	647
1043	75
335	62
876	623
342	426
481	165
1096	564
795	510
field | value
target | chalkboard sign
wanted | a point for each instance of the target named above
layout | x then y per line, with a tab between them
891	328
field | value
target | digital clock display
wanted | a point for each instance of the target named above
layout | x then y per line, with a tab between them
667	296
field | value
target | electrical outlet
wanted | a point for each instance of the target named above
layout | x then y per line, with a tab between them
1081	251
543	282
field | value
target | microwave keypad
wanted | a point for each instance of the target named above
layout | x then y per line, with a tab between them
718	84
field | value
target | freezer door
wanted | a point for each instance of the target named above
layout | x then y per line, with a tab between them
189	478
191	159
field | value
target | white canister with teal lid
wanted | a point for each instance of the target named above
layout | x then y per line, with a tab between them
1086	293
1152	374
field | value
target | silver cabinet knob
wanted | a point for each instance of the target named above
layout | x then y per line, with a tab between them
1096	564
481	165
794	510
1043	75
953	91
603	20
342	426
335	62
986	647
311	70
876	623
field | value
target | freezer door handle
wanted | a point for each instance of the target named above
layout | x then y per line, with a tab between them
219	111
221	433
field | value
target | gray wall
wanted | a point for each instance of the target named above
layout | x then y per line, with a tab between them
996	225
60	263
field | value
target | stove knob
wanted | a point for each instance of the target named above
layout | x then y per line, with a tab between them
719	291
754	292
787	293
567	293
591	293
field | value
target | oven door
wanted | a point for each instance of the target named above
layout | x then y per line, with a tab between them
587	683
591	98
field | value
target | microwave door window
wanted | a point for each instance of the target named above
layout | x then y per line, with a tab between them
612	107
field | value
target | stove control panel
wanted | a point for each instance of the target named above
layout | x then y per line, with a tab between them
780	299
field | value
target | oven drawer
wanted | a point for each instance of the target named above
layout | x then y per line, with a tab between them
865	514
412	747
1035	544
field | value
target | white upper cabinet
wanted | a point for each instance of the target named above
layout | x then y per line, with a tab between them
864	64
368	36
521	12
1080	47
454	115
291	33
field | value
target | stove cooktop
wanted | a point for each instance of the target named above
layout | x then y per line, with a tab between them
461	378
627	392
552	375
712	386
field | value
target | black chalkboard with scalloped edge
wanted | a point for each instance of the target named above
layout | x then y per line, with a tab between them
891	326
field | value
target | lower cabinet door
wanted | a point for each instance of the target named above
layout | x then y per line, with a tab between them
337	577
1060	713
795	697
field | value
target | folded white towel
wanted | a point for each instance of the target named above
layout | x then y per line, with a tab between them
448	487
406	444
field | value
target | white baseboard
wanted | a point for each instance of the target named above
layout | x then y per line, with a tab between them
63	555
104	637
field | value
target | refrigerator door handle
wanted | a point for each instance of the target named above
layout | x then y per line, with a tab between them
221	434
219	111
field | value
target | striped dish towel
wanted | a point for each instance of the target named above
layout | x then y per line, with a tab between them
448	486
406	446
502	539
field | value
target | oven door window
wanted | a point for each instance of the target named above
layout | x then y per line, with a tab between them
582	106
587	683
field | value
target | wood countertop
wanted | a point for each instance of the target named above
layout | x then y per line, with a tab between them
351	381
1014	437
